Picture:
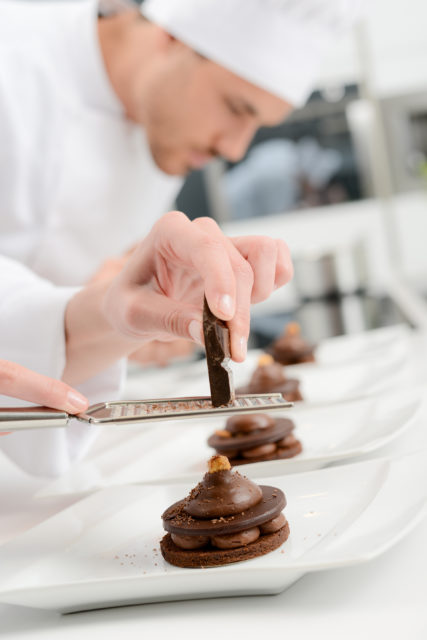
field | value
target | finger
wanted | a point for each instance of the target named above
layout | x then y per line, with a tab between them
182	244
239	324
261	253
284	266
266	254
166	320
18	382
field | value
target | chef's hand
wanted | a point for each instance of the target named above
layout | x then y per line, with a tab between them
158	295
161	287
159	292
19	382
153	353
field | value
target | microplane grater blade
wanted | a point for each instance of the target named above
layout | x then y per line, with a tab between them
129	411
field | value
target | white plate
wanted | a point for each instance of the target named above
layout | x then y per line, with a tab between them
320	384
104	550
346	367
376	343
179	451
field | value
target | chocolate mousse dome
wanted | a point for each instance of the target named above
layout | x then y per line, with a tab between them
268	375
222	492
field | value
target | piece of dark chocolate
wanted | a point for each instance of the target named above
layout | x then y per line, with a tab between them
217	345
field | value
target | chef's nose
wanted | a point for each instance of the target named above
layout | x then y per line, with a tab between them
233	143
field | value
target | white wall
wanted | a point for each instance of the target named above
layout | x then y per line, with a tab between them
324	228
396	32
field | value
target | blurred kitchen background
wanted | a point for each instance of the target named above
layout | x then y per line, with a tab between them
344	182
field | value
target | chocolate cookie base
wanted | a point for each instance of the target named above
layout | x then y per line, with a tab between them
280	430
289	452
212	557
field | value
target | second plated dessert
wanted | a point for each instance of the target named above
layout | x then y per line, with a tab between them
255	438
269	377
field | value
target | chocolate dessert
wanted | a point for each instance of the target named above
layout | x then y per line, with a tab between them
254	438
226	518
269	377
291	348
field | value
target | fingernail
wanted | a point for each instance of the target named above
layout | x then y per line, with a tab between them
195	331
243	346
225	305
77	401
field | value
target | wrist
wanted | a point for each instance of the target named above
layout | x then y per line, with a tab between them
93	342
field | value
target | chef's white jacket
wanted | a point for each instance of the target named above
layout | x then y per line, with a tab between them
77	185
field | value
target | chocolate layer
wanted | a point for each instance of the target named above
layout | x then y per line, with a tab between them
176	520
249	422
282	428
211	557
280	454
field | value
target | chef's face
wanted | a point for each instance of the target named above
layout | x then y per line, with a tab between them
193	110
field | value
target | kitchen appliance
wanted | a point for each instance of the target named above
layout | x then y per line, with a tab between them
339	270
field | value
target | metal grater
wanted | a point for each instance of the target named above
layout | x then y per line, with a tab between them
138	411
221	401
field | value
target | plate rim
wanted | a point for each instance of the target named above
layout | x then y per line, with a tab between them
298	566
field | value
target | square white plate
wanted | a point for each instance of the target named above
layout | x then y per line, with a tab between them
179	450
322	383
366	345
104	550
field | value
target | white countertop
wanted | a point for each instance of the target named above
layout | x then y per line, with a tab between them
386	597
383	599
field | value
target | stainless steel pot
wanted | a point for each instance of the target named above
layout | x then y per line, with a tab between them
340	270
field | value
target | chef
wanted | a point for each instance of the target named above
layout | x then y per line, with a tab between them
100	119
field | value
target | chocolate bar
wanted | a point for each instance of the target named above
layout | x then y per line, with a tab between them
217	345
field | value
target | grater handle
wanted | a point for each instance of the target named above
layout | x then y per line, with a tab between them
20	418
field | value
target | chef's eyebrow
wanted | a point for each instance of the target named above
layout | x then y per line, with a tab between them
241	105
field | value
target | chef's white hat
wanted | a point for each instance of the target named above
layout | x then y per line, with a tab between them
275	44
